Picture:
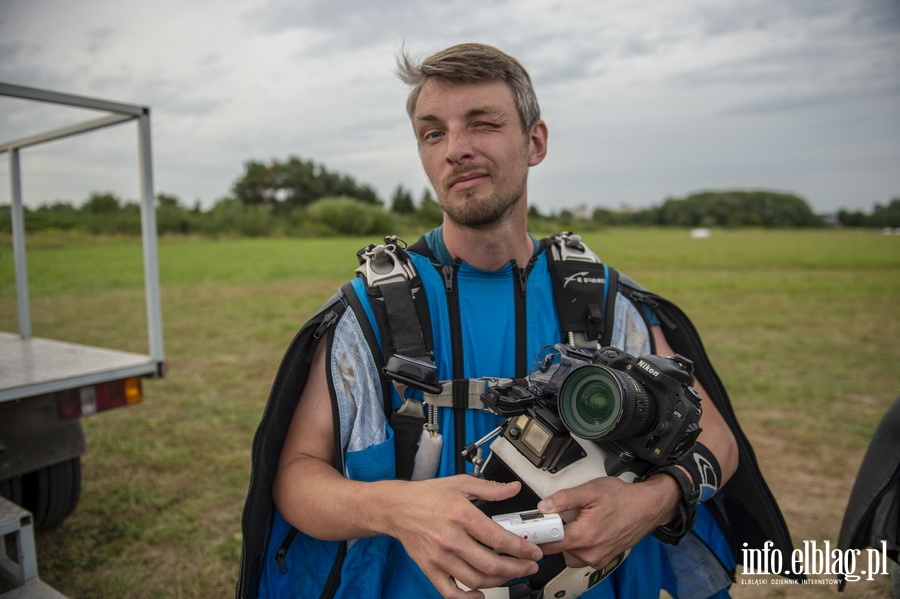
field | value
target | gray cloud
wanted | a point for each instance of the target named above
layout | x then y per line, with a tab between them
853	99
98	40
644	99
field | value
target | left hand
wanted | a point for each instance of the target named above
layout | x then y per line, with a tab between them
610	517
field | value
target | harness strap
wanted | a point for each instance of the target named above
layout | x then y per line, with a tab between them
464	394
609	311
400	312
584	290
406	334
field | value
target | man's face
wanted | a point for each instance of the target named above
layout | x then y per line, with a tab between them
474	150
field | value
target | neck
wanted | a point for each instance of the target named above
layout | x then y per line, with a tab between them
491	248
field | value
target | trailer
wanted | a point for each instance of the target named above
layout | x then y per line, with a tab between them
47	385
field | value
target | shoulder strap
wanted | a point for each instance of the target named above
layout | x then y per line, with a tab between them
401	312
421	247
584	290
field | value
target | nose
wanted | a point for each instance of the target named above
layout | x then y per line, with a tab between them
459	147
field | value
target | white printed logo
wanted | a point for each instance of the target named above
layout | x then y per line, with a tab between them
579	277
709	483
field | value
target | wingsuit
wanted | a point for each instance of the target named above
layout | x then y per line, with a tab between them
449	318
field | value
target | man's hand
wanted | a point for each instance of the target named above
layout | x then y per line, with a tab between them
610	517
450	538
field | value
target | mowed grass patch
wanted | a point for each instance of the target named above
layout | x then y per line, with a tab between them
799	325
164	480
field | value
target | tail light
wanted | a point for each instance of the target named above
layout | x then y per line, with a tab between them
84	401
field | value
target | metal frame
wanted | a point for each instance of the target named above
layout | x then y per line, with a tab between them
118	113
15	520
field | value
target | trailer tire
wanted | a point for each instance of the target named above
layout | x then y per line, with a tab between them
11	489
52	493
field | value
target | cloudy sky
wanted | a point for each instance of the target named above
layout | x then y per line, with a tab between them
644	99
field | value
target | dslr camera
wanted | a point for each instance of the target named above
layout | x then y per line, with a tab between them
641	411
580	416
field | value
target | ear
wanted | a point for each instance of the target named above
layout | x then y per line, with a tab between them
537	138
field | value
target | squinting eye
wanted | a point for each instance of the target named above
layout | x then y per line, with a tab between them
432	135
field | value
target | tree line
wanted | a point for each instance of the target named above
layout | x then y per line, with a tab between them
297	197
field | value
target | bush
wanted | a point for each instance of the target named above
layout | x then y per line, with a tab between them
230	217
347	216
430	214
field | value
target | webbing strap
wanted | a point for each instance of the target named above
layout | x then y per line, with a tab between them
462	394
580	284
406	332
609	310
459	393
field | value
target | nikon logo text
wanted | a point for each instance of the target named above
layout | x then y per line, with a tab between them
644	366
579	277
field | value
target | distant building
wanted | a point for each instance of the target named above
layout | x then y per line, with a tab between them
581	212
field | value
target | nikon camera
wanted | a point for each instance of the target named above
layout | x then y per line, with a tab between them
642	411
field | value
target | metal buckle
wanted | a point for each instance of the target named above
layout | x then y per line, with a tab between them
381	264
568	246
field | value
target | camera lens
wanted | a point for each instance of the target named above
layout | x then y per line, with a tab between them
598	403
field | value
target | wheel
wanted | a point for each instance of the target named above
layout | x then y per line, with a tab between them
11	489
51	493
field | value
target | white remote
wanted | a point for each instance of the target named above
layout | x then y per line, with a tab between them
533	526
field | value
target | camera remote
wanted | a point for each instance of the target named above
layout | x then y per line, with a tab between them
533	526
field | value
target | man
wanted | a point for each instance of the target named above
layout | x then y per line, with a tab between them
361	531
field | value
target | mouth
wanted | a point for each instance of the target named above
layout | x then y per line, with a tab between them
468	180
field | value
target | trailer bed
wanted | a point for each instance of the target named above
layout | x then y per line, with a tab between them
36	366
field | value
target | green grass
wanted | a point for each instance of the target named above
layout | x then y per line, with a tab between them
802	326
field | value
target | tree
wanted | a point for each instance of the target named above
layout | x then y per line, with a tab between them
172	217
295	183
851	219
402	201
102	203
604	216
255	186
167	200
738	209
886	216
430	212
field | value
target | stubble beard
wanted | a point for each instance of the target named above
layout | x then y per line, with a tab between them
468	211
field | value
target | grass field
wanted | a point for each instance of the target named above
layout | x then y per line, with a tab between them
802	326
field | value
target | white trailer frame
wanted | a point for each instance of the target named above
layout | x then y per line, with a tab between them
33	366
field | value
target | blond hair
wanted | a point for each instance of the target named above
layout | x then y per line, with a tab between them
471	63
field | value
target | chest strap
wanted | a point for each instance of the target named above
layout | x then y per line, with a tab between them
460	394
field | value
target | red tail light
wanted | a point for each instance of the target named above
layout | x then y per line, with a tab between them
84	401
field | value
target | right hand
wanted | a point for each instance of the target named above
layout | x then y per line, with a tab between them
451	539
